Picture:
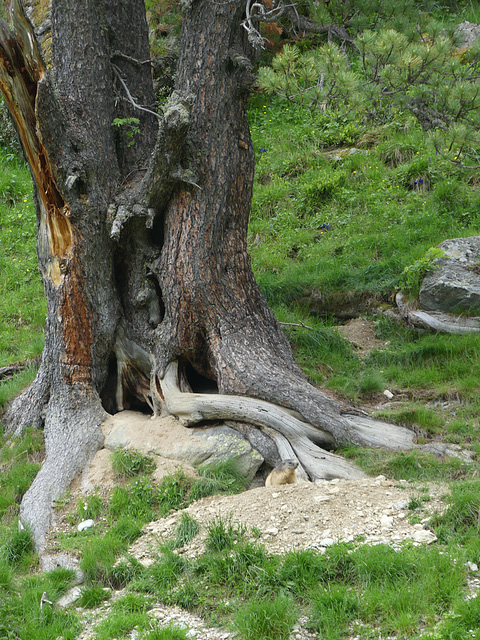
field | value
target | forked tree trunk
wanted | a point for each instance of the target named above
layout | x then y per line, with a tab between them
142	248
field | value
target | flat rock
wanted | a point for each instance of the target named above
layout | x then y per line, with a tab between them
69	598
454	285
424	536
169	439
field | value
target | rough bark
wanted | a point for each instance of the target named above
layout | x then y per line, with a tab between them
142	248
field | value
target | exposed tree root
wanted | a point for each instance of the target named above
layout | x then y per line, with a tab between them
191	408
436	320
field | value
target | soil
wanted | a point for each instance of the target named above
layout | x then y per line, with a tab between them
361	334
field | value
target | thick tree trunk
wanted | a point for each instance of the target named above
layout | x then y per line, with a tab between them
142	248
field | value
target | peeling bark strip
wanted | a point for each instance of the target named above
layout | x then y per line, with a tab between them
21	71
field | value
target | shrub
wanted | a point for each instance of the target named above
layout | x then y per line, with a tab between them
414	274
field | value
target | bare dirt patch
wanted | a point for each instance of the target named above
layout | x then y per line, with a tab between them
361	334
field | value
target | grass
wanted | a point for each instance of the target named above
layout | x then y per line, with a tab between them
127	463
342	213
22	301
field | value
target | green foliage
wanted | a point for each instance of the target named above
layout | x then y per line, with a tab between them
162	575
332	610
408	465
90	508
187	529
128	463
22	300
138	500
171	632
19	464
121	624
93	596
323	188
413	275
129	126
8	136
461	519
222	535
173	492
18	547
217	477
391	68
266	619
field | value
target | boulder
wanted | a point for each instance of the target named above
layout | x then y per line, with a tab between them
454	286
168	438
467	33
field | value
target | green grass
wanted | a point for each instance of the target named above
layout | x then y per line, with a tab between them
327	223
267	619
22	301
127	463
19	463
187	529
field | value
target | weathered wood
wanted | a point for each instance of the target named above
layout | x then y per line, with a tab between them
191	408
436	320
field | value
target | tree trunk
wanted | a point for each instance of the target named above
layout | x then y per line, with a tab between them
142	247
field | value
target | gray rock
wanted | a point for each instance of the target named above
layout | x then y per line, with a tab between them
327	542
195	445
444	449
454	286
69	598
424	536
467	33
217	444
50	562
386	522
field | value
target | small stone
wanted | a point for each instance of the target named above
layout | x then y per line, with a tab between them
86	524
472	566
322	498
70	597
425	536
386	522
388	394
273	531
401	505
327	542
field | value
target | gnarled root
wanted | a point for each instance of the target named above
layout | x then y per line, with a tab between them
191	408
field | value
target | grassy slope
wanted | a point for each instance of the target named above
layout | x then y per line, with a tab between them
338	210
